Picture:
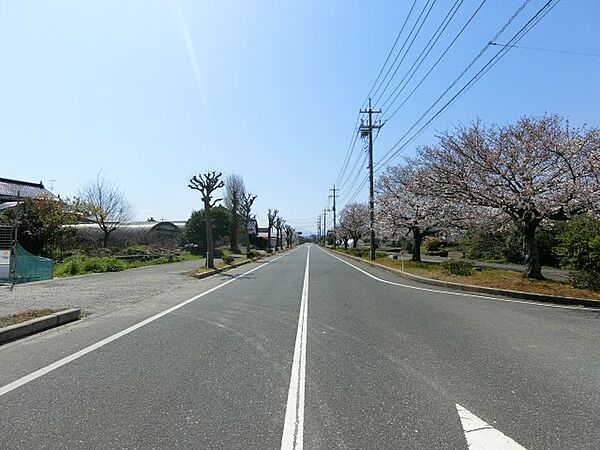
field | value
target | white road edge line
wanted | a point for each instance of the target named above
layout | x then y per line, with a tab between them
67	359
293	428
462	294
482	436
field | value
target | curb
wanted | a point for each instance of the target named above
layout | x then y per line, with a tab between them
543	298
210	273
224	269
23	329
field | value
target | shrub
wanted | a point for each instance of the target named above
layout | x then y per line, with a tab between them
433	244
228	259
252	254
454	267
579	250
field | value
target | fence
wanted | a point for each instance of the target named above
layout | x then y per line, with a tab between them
17	265
27	267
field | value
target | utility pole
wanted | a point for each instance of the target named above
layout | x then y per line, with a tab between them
367	131
334	216
324	227
319	230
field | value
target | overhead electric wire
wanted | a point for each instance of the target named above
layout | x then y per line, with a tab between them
541	13
433	66
407	49
464	71
349	151
427	48
391	51
549	50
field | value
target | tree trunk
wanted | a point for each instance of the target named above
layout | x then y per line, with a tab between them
354	241
105	239
233	230
533	268
346	243
417	238
210	250
269	237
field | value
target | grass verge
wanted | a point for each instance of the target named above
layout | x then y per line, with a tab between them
81	265
487	277
13	319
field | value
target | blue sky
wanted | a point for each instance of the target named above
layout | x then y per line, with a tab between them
152	92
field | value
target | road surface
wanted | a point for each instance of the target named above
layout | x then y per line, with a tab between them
308	350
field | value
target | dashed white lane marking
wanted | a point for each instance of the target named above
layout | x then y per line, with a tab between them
67	359
293	428
482	436
461	294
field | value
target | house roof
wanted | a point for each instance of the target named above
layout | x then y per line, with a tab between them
11	190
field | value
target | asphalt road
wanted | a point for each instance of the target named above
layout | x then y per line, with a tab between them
309	351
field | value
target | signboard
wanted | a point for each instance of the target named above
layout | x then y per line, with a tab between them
251	229
4	264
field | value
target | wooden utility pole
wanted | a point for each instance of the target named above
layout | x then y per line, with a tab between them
367	131
334	196
319	229
325	227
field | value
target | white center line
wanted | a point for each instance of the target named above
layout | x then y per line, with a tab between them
67	359
293	429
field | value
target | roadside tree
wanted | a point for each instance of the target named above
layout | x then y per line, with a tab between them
404	206
354	222
235	190
271	217
246	213
207	184
103	202
534	171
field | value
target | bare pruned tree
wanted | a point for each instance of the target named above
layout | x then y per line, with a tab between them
103	201
207	183
279	223
271	216
533	171
289	235
234	193
246	213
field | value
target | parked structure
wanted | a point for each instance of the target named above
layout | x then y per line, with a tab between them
162	233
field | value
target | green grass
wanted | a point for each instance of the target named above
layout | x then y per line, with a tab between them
488	277
81	265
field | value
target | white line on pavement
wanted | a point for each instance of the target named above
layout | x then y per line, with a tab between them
461	294
293	428
67	359
482	436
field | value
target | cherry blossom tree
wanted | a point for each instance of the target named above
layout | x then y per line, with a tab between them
533	171
405	206
354	222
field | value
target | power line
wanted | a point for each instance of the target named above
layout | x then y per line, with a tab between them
433	66
370	94
539	15
549	50
458	78
428	46
407	49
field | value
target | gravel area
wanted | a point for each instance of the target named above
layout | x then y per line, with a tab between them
101	292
